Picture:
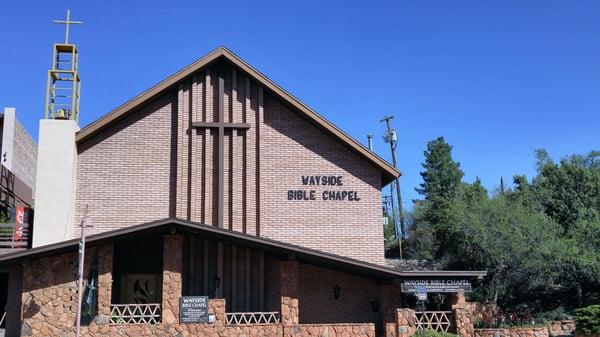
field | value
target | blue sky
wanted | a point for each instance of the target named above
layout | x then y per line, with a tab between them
497	79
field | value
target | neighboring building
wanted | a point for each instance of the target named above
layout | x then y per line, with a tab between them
17	180
19	150
215	182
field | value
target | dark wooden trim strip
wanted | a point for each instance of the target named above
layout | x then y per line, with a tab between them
388	171
205	273
221	146
234	278
217	125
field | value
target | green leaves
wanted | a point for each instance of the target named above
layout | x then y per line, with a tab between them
587	320
539	242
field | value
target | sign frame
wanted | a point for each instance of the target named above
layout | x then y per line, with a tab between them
193	309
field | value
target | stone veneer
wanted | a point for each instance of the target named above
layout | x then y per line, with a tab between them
405	324
512	332
558	328
50	302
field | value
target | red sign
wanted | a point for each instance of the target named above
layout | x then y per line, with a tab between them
21	222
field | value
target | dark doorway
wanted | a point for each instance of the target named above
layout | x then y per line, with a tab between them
137	271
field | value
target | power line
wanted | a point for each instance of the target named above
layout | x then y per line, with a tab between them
474	149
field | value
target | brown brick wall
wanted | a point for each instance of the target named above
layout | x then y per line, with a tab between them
318	305
291	148
123	173
152	164
24	155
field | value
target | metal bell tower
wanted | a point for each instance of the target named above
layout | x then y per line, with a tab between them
63	86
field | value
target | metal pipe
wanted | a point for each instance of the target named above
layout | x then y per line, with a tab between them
84	223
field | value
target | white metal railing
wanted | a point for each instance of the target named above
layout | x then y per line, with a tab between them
135	313
13	237
434	320
237	318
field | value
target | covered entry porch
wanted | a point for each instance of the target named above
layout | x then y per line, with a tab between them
137	278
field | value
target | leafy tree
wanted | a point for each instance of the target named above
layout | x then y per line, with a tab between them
569	189
539	241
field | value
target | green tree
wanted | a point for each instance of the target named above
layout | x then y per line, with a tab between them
568	190
441	184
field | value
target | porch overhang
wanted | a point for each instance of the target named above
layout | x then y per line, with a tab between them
285	250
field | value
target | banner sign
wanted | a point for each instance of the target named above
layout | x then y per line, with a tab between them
21	222
435	285
193	309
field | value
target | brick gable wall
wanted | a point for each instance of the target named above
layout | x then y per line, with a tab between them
153	164
124	173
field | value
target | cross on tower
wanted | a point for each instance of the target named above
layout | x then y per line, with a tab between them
67	22
220	126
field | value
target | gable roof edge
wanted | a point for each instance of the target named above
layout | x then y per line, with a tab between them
389	173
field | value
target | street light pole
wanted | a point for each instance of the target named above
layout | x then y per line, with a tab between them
85	222
392	138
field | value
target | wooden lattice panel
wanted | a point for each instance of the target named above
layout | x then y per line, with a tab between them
238	318
135	313
434	320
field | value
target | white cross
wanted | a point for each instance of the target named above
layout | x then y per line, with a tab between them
67	22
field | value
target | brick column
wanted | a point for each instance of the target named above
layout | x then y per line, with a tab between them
406	322
172	282
105	266
463	317
289	292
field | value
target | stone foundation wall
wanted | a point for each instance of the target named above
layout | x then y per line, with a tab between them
463	320
513	332
405	324
331	330
561	328
50	302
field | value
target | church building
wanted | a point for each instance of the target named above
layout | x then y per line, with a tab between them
214	204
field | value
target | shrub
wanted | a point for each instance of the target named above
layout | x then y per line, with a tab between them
557	314
432	333
587	320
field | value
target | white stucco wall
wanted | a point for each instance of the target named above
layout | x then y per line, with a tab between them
55	182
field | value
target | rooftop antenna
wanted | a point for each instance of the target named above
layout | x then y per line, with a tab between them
63	85
391	137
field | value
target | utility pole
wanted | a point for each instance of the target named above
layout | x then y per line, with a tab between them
86	222
392	138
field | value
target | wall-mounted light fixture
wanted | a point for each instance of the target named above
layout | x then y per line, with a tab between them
217	285
336	291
